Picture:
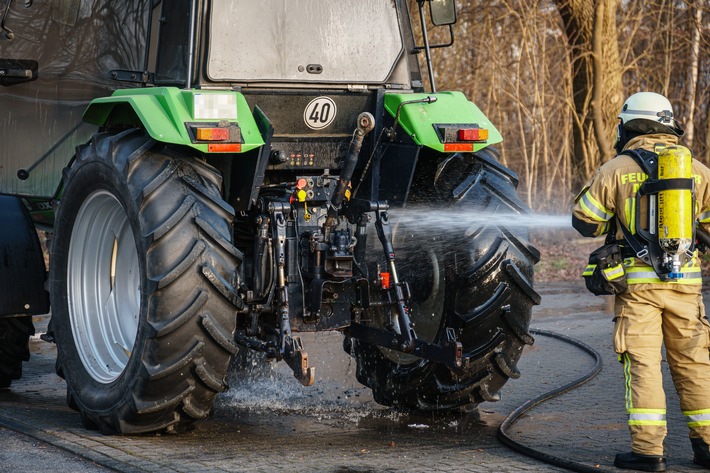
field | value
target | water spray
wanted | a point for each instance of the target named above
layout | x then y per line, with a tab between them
434	217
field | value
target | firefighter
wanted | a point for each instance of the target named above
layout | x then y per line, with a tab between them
654	309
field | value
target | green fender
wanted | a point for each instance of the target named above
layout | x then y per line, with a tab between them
418	120
166	111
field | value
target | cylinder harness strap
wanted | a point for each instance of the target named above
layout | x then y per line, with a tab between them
647	249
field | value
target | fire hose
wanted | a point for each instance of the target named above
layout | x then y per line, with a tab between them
513	416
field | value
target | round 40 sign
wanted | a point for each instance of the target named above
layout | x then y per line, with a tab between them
319	113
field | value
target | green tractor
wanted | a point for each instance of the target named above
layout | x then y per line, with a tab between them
216	176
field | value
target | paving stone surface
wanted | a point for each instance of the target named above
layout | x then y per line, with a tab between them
273	424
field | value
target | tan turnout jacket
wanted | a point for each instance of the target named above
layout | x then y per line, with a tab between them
612	192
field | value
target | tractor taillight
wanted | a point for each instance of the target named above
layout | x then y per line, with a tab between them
221	137
212	134
461	137
473	134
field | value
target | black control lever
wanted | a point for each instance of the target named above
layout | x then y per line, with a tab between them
365	124
399	291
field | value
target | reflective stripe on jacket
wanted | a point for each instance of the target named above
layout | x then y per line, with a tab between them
638	272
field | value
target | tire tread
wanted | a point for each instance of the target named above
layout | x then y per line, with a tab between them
179	363
489	295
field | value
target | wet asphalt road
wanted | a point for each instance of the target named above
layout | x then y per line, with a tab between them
271	423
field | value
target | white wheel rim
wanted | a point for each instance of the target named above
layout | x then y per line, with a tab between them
103	279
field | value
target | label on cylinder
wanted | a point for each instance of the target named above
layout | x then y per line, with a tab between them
675	207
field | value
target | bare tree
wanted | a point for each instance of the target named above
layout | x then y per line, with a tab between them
697	20
590	27
552	76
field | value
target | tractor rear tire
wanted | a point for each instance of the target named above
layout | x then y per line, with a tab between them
142	285
15	333
478	281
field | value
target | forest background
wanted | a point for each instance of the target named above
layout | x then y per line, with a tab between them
552	76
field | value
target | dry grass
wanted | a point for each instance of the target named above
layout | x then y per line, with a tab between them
563	254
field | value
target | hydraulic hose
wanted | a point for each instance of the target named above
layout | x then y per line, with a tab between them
513	416
365	124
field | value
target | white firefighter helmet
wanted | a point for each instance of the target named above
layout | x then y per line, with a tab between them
649	112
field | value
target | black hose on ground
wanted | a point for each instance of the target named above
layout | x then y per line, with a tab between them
513	416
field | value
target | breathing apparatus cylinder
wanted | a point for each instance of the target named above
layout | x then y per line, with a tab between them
676	215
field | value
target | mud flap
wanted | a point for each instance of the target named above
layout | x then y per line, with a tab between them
22	271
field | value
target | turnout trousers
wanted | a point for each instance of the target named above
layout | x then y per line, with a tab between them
645	320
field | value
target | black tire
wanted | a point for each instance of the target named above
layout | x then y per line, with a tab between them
15	333
142	277
478	281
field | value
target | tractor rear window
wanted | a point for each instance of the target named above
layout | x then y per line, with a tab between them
353	41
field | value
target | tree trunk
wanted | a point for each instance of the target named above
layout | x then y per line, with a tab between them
591	32
605	151
695	22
